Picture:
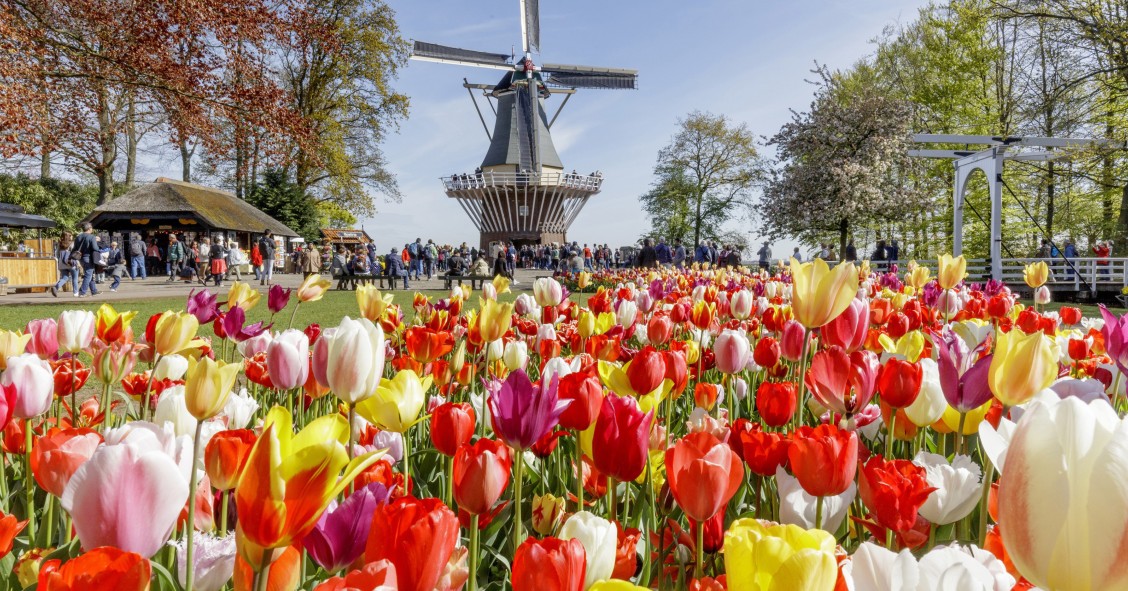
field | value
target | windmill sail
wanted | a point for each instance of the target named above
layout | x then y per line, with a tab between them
590	77
531	9
454	55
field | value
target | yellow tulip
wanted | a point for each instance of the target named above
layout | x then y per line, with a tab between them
501	283
819	294
372	303
951	271
1036	274
615	585
109	325
290	479
174	332
548	513
1022	366
909	347
207	386
585	324
313	288
951	419
692	351
494	319
242	295
583	280
397	402
778	557
918	275
11	345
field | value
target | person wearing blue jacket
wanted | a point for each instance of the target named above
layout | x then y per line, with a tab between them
393	267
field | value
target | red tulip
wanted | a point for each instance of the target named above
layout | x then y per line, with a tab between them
416	535
626	553
703	474
776	402
767	352
763	451
791	340
893	491
705	395
899	382
452	425
714	534
586	394
677	371
550	564
100	569
65	383
659	329
849	329
57	455
834	374
10	527
481	473
622	432
1069	315
824	459
646	370
225	456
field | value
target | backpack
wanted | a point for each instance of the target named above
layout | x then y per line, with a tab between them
137	248
413	250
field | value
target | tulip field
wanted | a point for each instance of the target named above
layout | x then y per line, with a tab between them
815	428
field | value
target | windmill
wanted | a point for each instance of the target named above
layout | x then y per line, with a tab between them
521	192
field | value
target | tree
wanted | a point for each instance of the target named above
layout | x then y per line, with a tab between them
705	174
842	163
282	199
340	81
66	202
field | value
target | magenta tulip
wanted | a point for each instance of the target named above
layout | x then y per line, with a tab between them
1115	332
963	374
127	496
523	412
202	304
287	359
341	533
277	298
234	324
33	384
44	338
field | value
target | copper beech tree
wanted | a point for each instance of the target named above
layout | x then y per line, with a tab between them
72	74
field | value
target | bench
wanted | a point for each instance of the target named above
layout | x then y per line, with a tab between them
476	281
350	282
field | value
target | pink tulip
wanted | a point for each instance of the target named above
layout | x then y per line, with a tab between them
354	359
849	329
44	338
791	341
126	496
319	361
33	382
255	345
732	351
287	359
75	330
741	304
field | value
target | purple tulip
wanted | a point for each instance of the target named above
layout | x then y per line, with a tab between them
202	305
339	537
1115	331
277	298
963	376
523	412
233	325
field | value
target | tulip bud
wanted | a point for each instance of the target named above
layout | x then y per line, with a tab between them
459	358
494	350
516	355
207	385
732	351
585	324
287	359
33	382
489	292
548	513
75	330
172	367
625	315
791	341
548	292
354	359
741	304
1042	295
659	329
767	353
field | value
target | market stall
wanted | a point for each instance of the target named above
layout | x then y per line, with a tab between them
26	258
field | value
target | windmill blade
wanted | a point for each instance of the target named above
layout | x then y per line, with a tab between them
433	52
530	25
590	77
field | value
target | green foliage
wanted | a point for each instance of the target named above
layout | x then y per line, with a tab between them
704	178
66	202
279	197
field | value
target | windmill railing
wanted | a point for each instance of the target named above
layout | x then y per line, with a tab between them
568	180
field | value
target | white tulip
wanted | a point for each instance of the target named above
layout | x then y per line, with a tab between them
796	507
930	404
171	367
957	487
600	540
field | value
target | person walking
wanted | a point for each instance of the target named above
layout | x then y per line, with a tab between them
85	249
235	258
176	256
137	258
309	262
764	256
266	250
115	265
648	256
851	253
679	254
217	261
68	267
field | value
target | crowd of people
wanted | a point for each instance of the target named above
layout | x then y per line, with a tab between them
482	179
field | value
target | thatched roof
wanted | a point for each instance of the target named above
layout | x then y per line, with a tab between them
181	205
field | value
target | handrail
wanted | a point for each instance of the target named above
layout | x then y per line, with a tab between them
475	180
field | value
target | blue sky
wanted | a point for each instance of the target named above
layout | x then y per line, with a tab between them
746	59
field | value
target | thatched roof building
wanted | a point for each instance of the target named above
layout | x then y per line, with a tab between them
168	205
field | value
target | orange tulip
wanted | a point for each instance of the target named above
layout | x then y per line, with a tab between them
110	326
703	474
101	569
417	536
426	345
702	314
56	456
226	455
285	572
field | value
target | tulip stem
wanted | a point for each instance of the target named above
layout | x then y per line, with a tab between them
73	395
889	436
3	481
819	512
801	381
263	576
48	529
352	418
448	490
473	580
699	570
518	486
107	416
959	435
406	455
189	548
225	497
612	510
579	474
145	396
29	485
294	314
988	476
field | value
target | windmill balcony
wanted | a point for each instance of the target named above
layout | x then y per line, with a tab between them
563	180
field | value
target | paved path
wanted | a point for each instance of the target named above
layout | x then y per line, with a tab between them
152	288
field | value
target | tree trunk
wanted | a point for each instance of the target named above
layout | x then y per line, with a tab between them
697	219
1122	222
843	232
185	162
105	169
131	142
1049	200
45	164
